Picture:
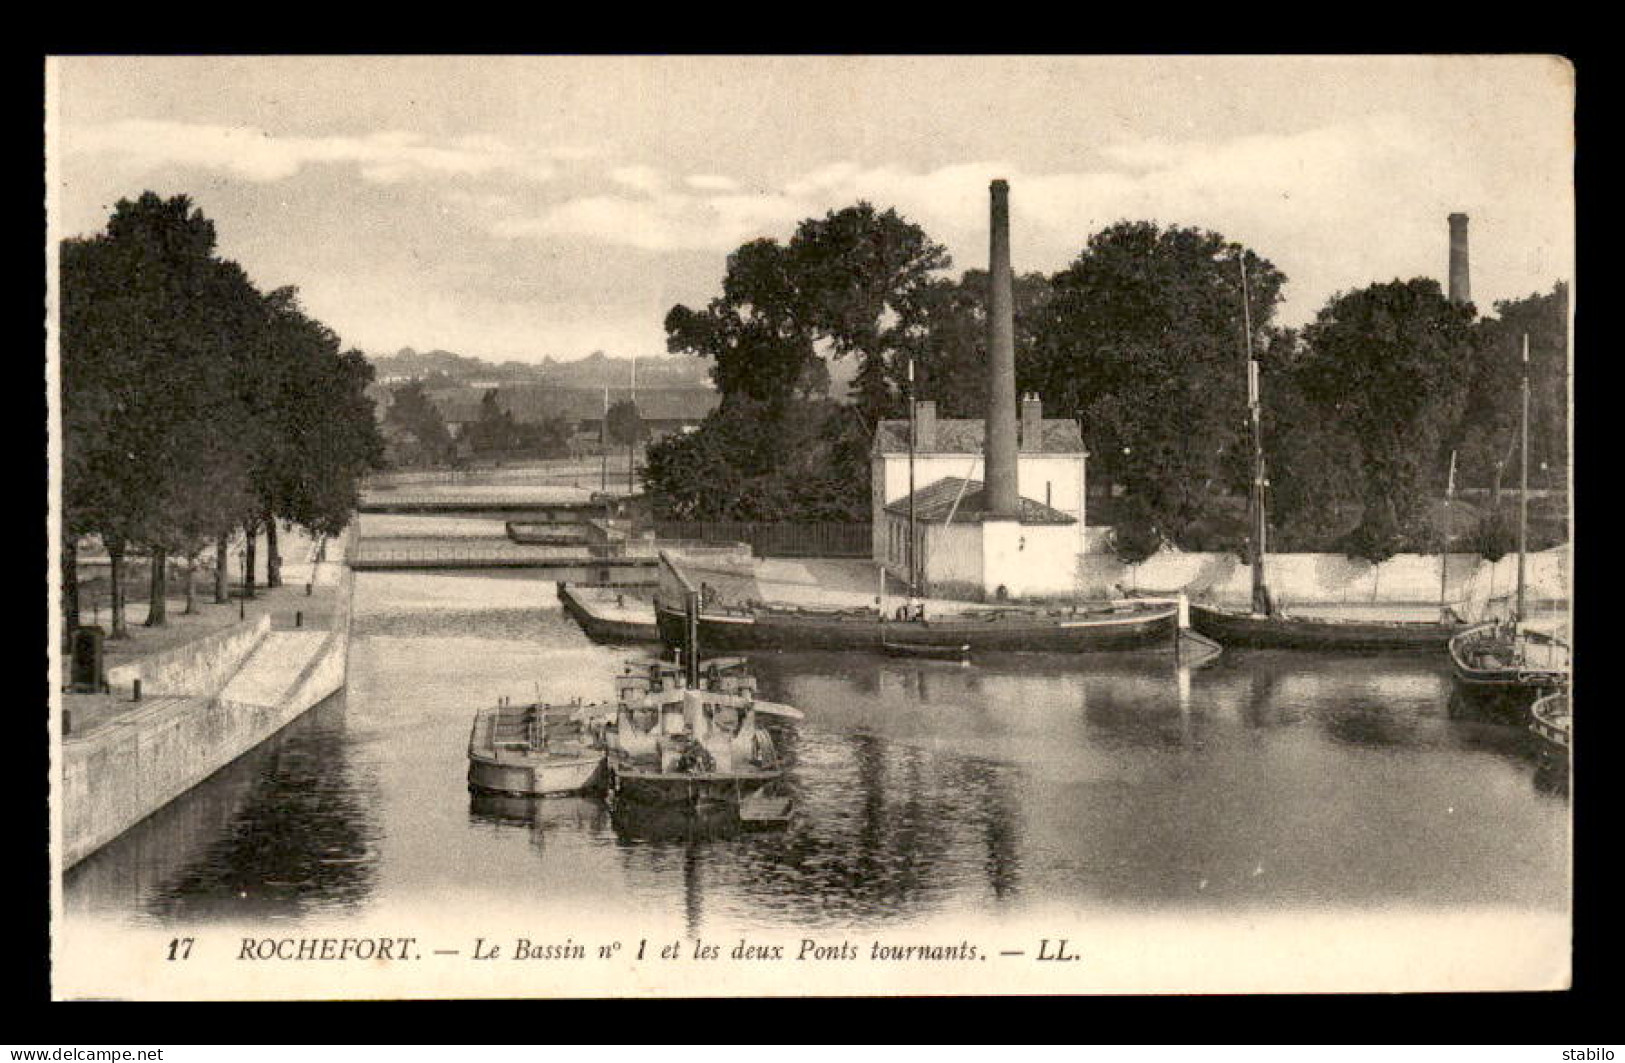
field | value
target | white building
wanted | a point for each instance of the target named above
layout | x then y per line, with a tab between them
963	552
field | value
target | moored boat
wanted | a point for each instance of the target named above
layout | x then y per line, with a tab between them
1265	625
1236	627
609	615
682	744
1509	665
1550	719
537	750
1119	625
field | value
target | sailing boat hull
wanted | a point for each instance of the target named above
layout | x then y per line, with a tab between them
1491	669
1234	628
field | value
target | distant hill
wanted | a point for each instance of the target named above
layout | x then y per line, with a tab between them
441	368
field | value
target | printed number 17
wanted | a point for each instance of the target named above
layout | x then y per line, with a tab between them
180	948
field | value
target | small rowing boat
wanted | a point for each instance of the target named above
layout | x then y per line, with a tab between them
1550	719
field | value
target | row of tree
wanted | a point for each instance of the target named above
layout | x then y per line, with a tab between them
195	407
1143	338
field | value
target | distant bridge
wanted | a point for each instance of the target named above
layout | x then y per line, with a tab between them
521	504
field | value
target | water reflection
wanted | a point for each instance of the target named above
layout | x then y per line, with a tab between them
283	832
921	787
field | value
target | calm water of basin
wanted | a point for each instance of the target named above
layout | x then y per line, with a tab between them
1268	780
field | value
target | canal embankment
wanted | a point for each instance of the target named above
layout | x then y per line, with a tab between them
202	703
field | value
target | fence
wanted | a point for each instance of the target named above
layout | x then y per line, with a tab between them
776	540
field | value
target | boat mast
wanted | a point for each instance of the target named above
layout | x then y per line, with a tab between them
1444	545
1261	594
1523	486
913	572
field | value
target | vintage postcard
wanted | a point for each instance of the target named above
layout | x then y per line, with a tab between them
601	526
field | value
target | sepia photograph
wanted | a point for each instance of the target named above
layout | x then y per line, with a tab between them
609	526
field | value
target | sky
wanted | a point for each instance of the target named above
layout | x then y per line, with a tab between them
522	208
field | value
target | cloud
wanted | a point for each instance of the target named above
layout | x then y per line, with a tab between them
639	178
255	154
1335	207
659	221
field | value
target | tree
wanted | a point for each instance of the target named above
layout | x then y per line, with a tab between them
1495	535
851	284
1311	460
141	355
623	427
414	414
322	437
861	277
495	430
1134	536
1489	430
1144	333
748	462
949	348
1390	363
193	404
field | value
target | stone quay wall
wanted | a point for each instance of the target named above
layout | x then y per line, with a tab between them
118	774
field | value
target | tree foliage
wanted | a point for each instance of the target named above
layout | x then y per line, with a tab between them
750	462
949	348
853	284
1135	536
1495	535
1389	364
415	417
191	402
622	424
1488	434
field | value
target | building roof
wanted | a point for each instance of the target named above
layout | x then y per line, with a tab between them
933	504
537	402
963	435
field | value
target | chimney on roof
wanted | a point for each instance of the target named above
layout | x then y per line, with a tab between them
1002	499
925	425
1032	422
1461	290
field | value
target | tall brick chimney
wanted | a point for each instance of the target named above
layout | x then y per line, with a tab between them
1461	289
1000	464
1032	422
925	425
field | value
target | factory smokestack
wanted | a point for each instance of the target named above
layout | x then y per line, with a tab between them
1461	290
1002	499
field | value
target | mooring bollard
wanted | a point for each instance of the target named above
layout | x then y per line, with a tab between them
136	690
242	609
67	721
299	618
308	585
